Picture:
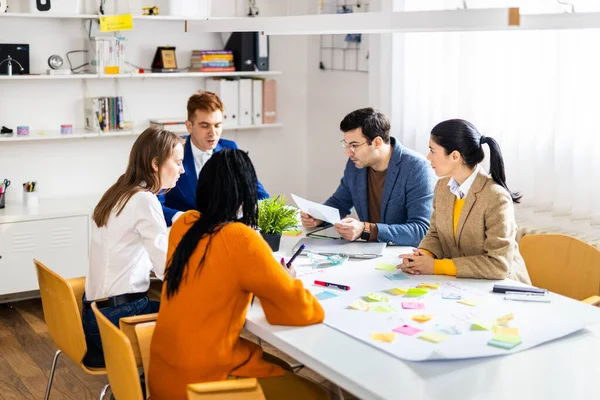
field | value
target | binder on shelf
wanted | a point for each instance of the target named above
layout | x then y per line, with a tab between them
245	101
228	92
269	101
257	101
262	51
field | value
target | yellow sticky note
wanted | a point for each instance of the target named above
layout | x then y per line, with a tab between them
416	292
375	297
360	305
384	309
292	233
481	326
434	337
383	337
503	320
422	317
385	267
503	330
507	338
469	302
397	291
433	286
112	23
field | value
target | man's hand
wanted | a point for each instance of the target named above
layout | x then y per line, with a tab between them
308	221
417	263
350	228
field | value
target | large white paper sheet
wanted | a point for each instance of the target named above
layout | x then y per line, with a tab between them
537	322
318	211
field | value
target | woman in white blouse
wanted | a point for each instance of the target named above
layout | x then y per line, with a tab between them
129	236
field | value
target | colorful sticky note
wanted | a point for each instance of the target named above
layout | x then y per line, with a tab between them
481	326
503	330
375	297
407	330
416	292
384	309
449	329
396	291
324	295
412	305
451	296
434	337
433	286
360	305
292	232
502	345
422	317
112	23
503	320
396	277
383	337
386	267
469	302
507	338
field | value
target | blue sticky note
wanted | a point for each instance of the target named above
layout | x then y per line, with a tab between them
396	277
324	295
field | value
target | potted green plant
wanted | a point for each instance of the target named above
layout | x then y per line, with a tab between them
275	217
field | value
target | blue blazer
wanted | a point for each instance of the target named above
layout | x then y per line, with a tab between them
183	196
406	204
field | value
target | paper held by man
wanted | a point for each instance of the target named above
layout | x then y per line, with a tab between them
318	211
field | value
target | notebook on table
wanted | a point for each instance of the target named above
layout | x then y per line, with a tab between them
356	249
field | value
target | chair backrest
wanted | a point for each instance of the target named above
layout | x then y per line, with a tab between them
562	264
120	361
62	312
144	332
127	326
236	389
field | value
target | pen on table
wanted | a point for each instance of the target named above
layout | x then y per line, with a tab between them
289	263
333	285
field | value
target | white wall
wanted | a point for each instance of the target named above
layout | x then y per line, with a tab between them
87	167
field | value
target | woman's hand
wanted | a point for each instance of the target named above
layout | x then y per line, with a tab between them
291	270
417	263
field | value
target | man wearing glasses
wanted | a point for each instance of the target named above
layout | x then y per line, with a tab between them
390	186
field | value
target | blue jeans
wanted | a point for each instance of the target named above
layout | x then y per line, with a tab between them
95	355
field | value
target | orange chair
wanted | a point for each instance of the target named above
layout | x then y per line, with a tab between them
564	265
61	301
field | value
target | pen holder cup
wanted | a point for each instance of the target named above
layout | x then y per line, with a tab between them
2	199
31	199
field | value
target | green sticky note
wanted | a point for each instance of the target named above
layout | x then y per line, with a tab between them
416	292
375	297
499	337
502	345
385	267
481	326
384	309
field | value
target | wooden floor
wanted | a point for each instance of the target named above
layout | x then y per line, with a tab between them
26	352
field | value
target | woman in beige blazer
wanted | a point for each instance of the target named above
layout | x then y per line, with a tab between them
473	228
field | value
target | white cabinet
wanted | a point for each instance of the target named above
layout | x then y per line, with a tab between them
60	243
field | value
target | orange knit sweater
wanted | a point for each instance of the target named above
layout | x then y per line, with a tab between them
197	333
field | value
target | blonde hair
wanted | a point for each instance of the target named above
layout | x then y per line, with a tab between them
152	146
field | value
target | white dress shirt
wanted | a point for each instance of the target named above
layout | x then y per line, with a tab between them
461	191
200	157
127	248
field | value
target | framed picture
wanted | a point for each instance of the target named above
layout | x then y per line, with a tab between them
168	58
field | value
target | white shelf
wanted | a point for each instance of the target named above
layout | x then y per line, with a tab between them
173	75
82	134
47	15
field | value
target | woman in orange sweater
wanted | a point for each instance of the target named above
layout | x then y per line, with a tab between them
216	263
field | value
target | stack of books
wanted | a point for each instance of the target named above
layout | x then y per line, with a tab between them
104	114
212	61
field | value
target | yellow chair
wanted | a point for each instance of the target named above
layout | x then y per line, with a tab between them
128	327
61	301
564	265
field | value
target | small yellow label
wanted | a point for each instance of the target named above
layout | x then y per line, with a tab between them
112	23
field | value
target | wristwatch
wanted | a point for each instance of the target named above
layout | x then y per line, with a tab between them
366	234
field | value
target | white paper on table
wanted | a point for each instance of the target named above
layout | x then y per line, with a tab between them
318	211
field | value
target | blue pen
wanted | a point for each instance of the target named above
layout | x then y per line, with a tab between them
289	263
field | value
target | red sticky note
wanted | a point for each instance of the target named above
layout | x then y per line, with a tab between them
407	330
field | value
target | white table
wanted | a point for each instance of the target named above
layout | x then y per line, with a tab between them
566	368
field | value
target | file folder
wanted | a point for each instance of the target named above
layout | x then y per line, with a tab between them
262	51
228	92
257	101
269	101
245	101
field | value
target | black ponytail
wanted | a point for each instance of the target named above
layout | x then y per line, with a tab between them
462	136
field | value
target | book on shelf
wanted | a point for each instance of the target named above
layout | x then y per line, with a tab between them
104	114
176	125
211	61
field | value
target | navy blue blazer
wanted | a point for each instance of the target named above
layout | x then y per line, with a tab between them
406	204
183	196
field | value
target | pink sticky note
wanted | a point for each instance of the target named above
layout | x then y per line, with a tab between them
411	305
407	330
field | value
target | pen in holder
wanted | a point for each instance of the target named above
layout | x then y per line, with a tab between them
30	195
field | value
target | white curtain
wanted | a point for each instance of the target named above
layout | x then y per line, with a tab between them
536	93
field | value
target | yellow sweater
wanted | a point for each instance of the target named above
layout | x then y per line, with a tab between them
446	266
197	335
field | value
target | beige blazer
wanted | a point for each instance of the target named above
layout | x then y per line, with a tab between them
485	245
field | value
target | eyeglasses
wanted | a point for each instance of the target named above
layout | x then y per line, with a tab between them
352	146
